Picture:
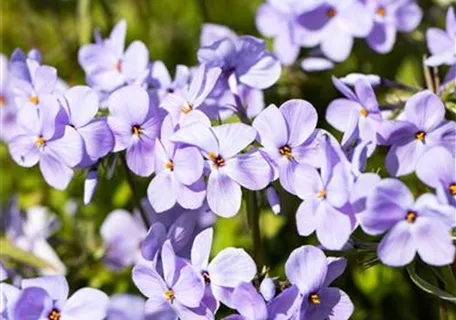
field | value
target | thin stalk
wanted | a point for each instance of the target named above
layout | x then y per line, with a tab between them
253	215
428	76
136	200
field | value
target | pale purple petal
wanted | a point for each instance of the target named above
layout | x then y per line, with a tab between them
199	135
306	219
402	160
55	286
336	267
399	246
339	111
382	37
82	105
56	174
189	288
201	249
135	60
312	64
149	282
86	303
24	151
131	104
334	226
301	118
425	110
271	127
434	172
188	165
223	194
233	138
98	138
153	241
140	156
408	17
248	302
337	48
267	288
169	263
191	196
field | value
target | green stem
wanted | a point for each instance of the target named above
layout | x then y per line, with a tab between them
85	28
134	192
253	214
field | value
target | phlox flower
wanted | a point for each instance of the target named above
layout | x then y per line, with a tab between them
8	109
442	43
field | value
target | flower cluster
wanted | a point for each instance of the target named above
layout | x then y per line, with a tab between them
331	27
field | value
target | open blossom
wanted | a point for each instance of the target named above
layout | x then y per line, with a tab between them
229	170
229	268
47	298
127	307
42	139
8	109
423	127
81	105
249	303
245	58
442	43
284	133
333	24
389	18
357	115
186	101
437	169
160	82
176	293
135	126
108	66
422	226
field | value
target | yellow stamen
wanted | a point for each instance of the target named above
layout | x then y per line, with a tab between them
452	188
321	194
40	141
54	315
169	295
136	130
364	112
187	108
331	13
286	151
314	298
420	135
410	217
381	11
2	101
217	159
169	165
34	99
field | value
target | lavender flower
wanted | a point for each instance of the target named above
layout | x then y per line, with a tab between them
161	83
284	134
229	268
178	293
126	307
424	126
422	226
42	139
249	303
436	168
135	126
245	58
8	109
333	24
390	17
229	170
49	296
108	66
211	32
441	43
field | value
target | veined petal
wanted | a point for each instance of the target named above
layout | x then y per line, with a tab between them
223	194
272	128
233	138
301	119
201	249
399	246
82	105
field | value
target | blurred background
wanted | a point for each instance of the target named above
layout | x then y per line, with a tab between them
171	30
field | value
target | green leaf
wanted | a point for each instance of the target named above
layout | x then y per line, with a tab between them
13	252
427	287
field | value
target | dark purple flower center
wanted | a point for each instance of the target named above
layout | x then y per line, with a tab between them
420	135
410	216
136	130
206	277
314	298
2	101
169	295
170	90
217	160
452	189
381	11
331	12
286	151
54	315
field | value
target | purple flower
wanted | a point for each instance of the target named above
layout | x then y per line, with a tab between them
422	226
211	32
390	17
312	64
284	134
160	81
436	168
187	101
8	109
333	24
442	43
126	307
81	106
311	272
273	199
229	268
122	235
108	66
135	126
423	127
245	58
8	296
229	170
362	188
358	116
249	303
178	293
41	138
52	294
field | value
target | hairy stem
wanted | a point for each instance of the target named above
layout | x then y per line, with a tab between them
253	215
134	192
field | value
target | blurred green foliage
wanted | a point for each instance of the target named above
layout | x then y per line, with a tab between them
171	29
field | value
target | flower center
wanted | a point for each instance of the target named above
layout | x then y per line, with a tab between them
118	66
187	108
169	295
452	188
381	11
217	160
136	130
314	299
286	152
321	194
169	165
420	135
364	112
331	13
34	99
2	101
54	315
40	142
410	217
206	277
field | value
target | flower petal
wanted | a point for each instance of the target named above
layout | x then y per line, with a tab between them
301	118
398	247
86	303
